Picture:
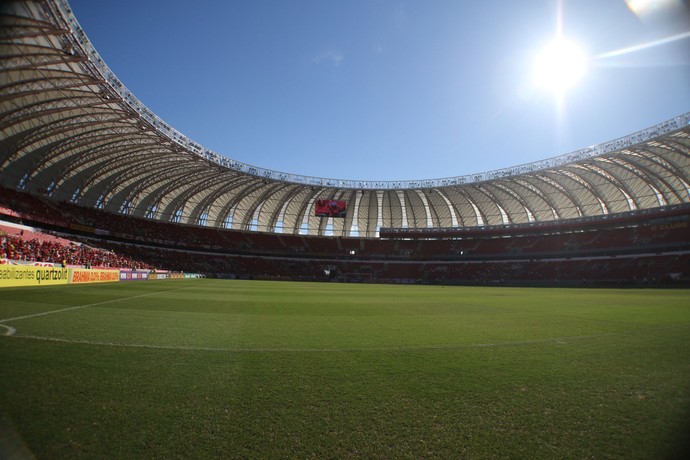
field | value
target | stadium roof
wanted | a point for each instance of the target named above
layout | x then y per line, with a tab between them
69	129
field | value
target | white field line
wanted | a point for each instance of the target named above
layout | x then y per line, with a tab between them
11	330
555	340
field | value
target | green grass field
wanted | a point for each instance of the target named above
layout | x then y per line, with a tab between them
251	369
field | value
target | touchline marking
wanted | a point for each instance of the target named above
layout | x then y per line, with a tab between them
12	330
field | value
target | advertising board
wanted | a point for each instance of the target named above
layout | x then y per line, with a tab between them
130	275
27	275
83	275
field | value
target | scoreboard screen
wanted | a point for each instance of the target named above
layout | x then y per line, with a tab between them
330	208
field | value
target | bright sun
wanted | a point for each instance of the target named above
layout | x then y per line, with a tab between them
559	66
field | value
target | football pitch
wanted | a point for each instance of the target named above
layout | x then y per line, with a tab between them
257	369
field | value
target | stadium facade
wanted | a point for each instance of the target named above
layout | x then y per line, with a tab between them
73	135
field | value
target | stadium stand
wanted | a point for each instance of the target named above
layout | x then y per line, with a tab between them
81	158
28	246
644	248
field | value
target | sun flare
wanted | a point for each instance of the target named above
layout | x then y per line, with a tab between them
559	66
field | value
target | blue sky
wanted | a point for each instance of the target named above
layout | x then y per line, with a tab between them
391	89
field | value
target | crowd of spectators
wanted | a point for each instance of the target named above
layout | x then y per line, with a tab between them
649	247
18	248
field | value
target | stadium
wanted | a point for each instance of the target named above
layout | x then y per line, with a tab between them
95	186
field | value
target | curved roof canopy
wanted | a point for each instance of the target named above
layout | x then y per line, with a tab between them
69	129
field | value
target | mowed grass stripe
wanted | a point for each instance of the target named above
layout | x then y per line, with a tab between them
291	316
597	373
560	341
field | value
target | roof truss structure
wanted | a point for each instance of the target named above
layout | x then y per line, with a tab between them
69	129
